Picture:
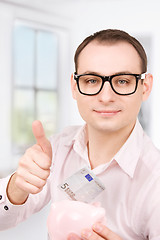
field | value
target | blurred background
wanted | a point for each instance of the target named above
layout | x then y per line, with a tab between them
37	44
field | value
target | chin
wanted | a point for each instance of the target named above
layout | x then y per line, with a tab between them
105	128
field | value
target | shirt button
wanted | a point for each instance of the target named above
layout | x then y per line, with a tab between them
0	197
6	208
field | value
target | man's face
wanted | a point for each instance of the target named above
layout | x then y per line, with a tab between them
108	111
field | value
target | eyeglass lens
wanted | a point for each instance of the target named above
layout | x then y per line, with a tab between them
123	84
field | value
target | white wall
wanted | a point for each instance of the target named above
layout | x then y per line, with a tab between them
5	89
78	18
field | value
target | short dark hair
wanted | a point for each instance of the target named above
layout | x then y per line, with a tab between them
112	36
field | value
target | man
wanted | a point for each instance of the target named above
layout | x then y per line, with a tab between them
109	85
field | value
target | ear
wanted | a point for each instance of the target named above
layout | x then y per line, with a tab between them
147	86
73	87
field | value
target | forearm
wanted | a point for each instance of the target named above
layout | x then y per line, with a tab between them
15	194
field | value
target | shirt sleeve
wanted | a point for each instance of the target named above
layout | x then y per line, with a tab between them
11	215
153	224
152	218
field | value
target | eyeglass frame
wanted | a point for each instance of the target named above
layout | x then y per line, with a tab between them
109	79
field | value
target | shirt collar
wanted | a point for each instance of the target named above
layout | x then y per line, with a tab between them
79	142
127	157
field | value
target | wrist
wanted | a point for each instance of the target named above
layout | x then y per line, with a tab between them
15	195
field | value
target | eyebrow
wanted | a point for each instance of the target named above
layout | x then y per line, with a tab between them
97	73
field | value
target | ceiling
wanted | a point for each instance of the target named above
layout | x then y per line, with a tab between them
39	3
48	5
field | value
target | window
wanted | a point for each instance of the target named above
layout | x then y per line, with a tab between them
35	56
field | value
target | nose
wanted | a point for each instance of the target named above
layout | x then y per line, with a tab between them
106	94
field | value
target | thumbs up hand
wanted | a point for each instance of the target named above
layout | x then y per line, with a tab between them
33	169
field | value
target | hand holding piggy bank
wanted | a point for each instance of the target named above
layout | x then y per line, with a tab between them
71	217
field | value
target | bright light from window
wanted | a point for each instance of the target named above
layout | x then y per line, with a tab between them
35	55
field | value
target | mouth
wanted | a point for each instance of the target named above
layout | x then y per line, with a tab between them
107	113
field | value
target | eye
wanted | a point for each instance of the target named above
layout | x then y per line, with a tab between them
91	81
122	81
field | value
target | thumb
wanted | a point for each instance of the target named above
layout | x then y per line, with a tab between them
41	139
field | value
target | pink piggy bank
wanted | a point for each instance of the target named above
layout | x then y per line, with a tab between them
71	217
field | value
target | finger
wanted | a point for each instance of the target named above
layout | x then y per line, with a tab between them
105	232
26	186
30	178
41	139
73	236
88	234
33	168
39	172
39	157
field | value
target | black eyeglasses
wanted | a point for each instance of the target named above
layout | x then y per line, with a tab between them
122	84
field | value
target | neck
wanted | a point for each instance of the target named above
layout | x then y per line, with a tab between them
103	146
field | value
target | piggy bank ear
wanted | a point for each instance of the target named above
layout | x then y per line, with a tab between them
96	204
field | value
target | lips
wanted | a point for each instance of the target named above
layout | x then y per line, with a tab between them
109	112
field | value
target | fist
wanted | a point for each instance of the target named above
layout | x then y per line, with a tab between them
34	166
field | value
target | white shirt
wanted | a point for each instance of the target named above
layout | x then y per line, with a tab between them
132	184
